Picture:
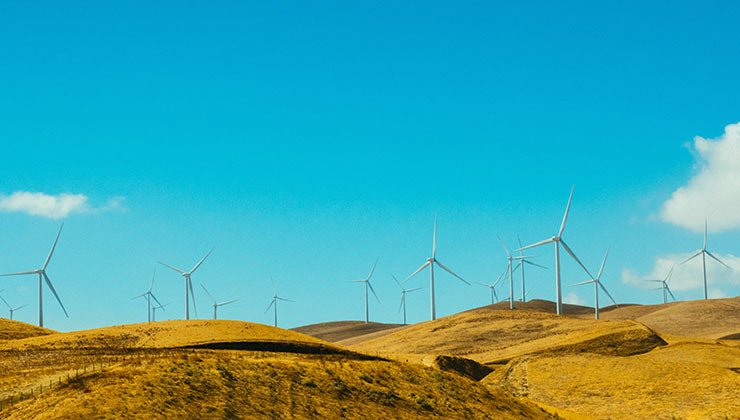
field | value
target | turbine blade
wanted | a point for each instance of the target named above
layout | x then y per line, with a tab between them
567	249
567	209
19	274
48	283
6	302
201	261
403	297
520	244
670	272
691	257
434	241
155	298
141	295
483	284
287	300
274	289
373	290
669	291
48	258
601	270
209	295
717	259
396	280
534	264
192	296
226	303
546	241
582	283
413	290
373	269
705	234
501	276
502	244
607	293
167	265
20	307
151	286
417	271
270	306
450	271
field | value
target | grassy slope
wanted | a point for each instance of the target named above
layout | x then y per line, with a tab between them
339	331
226	385
11	330
490	335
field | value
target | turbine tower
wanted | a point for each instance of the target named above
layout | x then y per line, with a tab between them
188	284
215	304
275	299
525	260
154	310
664	285
368	285
149	296
430	263
10	308
44	277
403	297
703	252
522	259
597	283
558	241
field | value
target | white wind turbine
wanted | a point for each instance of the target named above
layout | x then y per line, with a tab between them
188	283
430	263
43	277
367	284
149	296
10	308
510	268
215	304
703	252
525	260
154	310
664	285
403	297
275	299
492	286
597	283
558	241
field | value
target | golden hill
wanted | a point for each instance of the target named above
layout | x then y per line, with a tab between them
713	318
167	334
12	330
339	331
687	380
489	335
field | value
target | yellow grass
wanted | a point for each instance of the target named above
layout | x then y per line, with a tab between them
11	330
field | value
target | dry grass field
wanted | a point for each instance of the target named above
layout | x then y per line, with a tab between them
343	332
13	330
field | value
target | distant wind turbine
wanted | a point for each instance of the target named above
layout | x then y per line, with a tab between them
149	296
215	304
664	285
154	310
42	276
430	263
368	285
492	286
10	308
525	260
703	252
188	283
597	283
558	241
403	297
274	302
522	259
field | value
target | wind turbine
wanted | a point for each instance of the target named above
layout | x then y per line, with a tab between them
703	252
12	309
149	296
215	304
403	297
43	277
525	260
154	310
275	299
430	263
492	286
597	283
664	285
188	284
367	284
558	241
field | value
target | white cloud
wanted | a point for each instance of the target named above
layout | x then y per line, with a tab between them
689	276
713	192
573	299
52	206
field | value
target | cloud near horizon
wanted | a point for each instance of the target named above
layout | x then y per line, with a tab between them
713	192
53	206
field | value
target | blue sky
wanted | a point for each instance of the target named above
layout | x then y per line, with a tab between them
302	141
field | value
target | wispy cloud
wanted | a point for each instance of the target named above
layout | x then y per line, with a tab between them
689	276
53	206
573	299
713	192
